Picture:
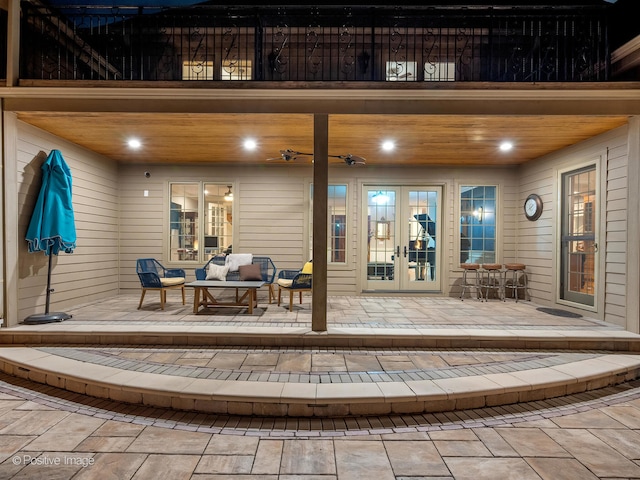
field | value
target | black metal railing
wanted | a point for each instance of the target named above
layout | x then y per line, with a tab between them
313	44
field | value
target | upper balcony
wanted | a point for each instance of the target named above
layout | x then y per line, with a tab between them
208	46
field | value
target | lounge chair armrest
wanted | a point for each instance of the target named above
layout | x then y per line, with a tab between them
288	274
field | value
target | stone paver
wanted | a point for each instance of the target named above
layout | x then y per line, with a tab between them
136	442
46	432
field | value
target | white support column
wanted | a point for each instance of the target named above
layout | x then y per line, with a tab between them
9	251
633	226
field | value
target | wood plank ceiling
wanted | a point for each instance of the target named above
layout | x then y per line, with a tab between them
194	138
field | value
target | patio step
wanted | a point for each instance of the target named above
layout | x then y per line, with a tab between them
366	337
172	386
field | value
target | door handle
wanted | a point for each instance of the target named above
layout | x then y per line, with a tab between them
405	251
398	251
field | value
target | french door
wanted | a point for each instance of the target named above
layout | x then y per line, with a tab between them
578	239
403	230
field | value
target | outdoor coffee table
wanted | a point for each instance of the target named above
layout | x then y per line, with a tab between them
203	297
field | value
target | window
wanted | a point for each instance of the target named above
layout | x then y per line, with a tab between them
401	71
478	224
236	70
200	221
337	208
337	226
439	72
197	70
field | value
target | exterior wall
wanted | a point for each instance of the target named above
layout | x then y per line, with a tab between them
271	213
538	242
91	272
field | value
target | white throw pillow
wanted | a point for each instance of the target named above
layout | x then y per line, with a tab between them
217	272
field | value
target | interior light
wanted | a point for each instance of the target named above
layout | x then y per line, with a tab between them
388	145
250	144
134	143
380	198
506	146
229	195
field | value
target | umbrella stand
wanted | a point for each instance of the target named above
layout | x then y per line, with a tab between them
47	317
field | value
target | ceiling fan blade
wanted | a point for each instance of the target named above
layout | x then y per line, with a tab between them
289	154
352	159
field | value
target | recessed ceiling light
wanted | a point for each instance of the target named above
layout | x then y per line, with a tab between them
134	143
388	145
506	146
250	144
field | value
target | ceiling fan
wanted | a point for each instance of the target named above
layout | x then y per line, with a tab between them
289	155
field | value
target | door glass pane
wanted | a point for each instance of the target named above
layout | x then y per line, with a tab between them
422	234
381	207
218	220
579	236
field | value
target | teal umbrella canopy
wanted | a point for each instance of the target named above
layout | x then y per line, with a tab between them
52	227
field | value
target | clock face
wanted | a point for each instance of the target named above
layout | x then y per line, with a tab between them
530	207
533	207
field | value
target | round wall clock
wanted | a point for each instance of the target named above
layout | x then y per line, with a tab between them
533	207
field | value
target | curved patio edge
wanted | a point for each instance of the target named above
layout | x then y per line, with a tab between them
265	398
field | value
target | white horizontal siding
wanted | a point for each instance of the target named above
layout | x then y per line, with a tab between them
537	241
91	271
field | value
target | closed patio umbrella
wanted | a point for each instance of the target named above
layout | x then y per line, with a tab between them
52	228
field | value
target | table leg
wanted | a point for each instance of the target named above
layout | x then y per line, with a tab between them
196	299
252	293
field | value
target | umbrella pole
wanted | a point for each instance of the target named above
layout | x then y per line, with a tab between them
46	308
47	317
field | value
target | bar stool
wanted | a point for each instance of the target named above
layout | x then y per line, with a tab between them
473	281
518	279
492	279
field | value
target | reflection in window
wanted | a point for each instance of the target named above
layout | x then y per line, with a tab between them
199	229
478	224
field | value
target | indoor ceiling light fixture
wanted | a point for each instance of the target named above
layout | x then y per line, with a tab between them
380	198
388	145
229	195
289	155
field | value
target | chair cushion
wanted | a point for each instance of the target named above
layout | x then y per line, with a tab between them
171	281
308	268
285	282
217	272
250	272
